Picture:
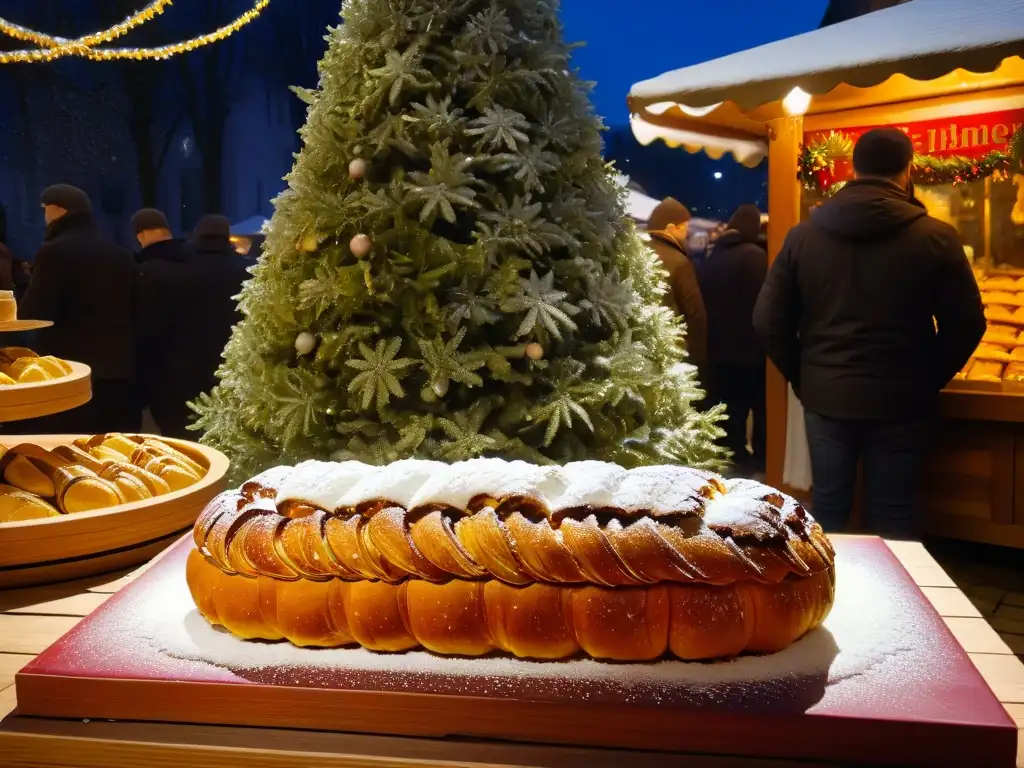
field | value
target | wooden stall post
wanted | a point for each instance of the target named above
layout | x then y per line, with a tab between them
785	137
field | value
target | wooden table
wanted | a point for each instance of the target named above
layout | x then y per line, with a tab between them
31	619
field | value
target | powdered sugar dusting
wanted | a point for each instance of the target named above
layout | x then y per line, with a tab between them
662	490
588	484
455	485
397	482
871	632
322	483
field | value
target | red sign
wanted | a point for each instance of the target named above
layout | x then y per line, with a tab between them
968	136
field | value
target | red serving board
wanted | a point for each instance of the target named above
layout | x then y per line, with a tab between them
857	691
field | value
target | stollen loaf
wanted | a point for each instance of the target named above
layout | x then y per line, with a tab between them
486	555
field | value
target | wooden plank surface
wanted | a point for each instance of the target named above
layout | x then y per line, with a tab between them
163	746
1004	674
976	635
9	664
31	619
54	604
949	601
8	701
32	634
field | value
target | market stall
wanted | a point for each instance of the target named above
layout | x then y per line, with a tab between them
951	75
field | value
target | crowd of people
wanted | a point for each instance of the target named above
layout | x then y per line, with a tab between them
151	325
868	311
716	298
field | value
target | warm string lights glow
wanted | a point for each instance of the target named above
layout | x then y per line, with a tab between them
42	40
52	48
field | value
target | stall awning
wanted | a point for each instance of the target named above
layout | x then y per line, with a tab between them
921	39
250	227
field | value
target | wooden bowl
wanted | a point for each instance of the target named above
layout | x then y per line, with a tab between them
44	398
19	326
86	543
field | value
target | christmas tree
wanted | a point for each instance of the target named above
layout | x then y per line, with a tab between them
450	273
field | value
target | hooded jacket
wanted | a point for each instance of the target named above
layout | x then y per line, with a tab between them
871	306
683	295
85	284
730	281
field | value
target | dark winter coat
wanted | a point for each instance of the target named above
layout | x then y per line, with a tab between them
85	284
871	306
167	250
684	294
186	311
730	281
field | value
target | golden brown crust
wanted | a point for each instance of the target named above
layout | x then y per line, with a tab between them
542	621
743	532
96	472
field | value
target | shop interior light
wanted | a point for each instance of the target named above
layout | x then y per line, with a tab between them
797	102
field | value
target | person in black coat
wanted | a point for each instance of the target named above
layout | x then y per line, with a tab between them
868	311
156	240
186	312
730	281
85	284
163	267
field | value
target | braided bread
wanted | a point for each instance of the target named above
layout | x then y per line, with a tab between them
536	561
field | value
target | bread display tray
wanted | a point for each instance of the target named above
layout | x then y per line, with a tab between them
85	543
20	326
30	401
882	682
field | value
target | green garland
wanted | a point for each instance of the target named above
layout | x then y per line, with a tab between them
818	164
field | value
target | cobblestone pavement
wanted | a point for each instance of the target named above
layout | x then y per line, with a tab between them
993	579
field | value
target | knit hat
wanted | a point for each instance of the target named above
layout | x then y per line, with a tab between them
71	199
883	152
669	211
149	218
212	226
747	221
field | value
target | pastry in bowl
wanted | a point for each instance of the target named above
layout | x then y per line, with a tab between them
17	505
94	473
488	555
20	365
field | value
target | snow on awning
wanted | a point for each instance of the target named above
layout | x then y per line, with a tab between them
720	105
922	39
748	151
639	206
250	227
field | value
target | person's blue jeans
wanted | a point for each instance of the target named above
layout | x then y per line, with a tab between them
891	453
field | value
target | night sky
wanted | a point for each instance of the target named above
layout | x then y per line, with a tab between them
632	40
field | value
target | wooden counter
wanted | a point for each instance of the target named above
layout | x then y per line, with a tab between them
31	619
974	479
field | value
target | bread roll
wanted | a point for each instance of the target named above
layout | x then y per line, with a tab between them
17	505
993	352
1014	372
10	354
1001	334
541	562
999	283
1000	297
986	370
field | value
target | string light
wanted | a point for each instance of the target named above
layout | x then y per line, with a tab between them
42	40
52	48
